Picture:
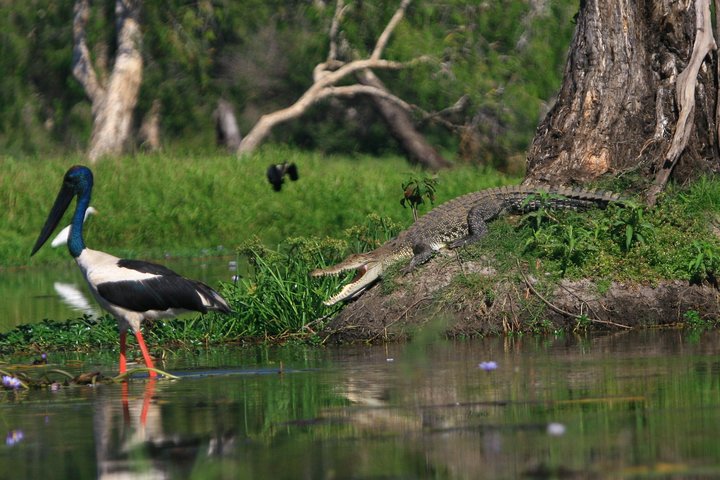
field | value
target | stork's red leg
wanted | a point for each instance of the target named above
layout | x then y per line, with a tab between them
145	353
123	347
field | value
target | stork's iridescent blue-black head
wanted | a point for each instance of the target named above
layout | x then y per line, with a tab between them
78	181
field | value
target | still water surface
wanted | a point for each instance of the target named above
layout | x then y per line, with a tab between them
630	405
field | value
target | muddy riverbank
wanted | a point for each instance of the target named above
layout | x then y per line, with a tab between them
472	299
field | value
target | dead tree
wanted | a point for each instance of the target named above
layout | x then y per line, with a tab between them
397	119
326	77
639	94
113	97
401	127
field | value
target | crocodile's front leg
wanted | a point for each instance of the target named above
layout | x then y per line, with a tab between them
477	219
422	252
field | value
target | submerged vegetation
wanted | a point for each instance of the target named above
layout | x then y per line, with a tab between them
277	299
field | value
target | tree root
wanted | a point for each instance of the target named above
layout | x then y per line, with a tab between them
685	97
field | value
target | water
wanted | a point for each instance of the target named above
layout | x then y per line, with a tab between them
638	404
59	292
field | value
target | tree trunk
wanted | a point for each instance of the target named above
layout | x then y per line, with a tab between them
113	102
149	134
401	126
617	109
227	132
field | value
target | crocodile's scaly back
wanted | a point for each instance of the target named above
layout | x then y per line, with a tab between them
455	223
449	222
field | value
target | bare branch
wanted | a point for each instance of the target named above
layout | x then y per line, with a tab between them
328	74
687	79
353	90
369	63
332	62
340	8
385	35
82	67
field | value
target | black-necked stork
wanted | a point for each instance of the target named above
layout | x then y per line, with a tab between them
131	290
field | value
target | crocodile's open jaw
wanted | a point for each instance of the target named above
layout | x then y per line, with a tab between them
367	272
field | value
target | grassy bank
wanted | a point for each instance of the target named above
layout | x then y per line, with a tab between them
190	203
677	239
180	204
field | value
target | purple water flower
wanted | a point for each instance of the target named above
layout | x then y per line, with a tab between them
11	382
488	366
13	437
40	361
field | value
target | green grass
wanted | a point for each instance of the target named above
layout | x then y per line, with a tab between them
673	240
183	203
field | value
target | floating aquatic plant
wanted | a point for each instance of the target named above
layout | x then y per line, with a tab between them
488	366
48	378
13	437
11	382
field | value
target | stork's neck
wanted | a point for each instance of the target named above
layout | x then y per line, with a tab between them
75	243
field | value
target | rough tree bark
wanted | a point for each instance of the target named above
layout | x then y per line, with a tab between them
329	73
113	98
639	93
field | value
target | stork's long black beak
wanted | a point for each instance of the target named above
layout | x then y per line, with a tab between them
62	202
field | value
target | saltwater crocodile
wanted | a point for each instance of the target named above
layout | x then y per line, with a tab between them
453	224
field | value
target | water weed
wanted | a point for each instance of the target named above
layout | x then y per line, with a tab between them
695	322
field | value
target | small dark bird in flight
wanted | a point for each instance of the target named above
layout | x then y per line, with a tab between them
276	174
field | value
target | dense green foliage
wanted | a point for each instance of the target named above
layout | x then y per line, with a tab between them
259	55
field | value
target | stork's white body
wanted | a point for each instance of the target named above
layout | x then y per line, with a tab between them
149	289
